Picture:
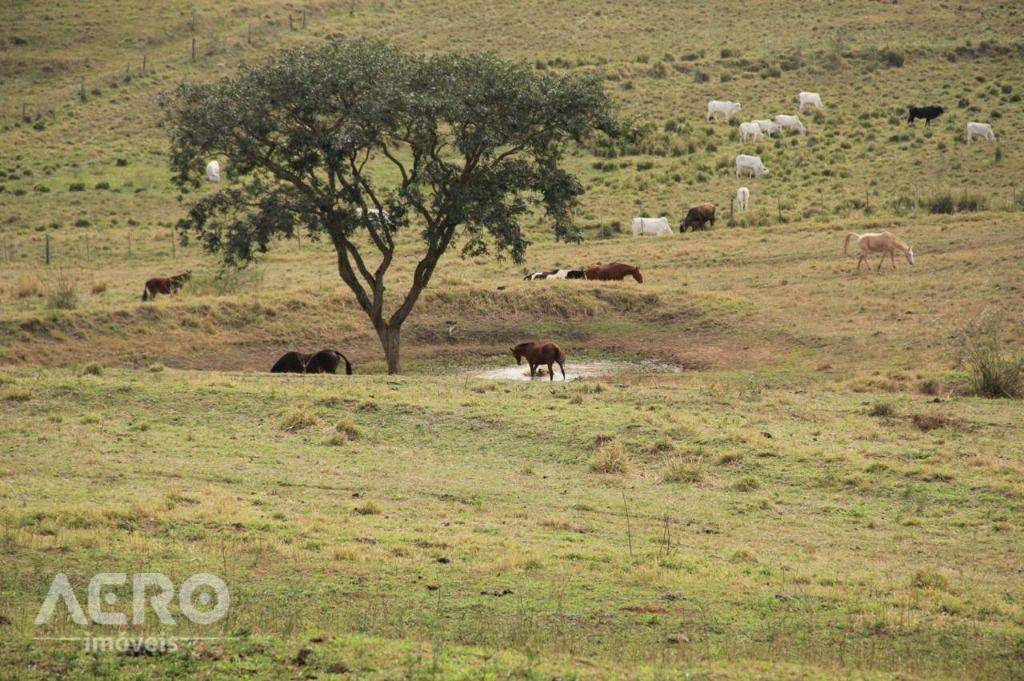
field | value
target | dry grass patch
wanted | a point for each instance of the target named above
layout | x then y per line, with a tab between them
611	459
297	419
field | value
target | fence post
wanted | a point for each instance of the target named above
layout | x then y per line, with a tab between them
303	17
144	63
24	113
173	245
779	200
193	48
47	249
917	198
81	90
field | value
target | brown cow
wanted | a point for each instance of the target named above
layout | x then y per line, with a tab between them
614	270
698	216
540	353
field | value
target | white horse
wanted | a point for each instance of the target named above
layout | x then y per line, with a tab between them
885	243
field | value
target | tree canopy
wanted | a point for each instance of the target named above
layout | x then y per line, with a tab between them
348	138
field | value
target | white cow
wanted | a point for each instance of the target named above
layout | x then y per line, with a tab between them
751	131
728	109
651	226
767	127
742	199
793	122
213	171
751	163
809	99
982	130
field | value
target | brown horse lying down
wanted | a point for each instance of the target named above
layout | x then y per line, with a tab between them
323	362
540	353
614	270
165	285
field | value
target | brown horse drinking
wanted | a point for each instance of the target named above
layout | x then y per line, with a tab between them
165	285
540	353
614	270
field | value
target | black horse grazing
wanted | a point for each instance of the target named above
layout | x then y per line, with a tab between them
326	362
928	113
291	363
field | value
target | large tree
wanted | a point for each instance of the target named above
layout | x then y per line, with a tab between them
358	141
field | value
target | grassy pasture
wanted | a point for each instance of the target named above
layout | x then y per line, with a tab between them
811	495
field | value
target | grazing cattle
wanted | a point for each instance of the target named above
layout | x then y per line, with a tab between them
885	243
785	121
727	109
614	271
651	226
809	99
698	216
213	171
751	163
326	362
291	362
767	127
556	274
928	113
982	130
165	285
742	198
750	131
540	353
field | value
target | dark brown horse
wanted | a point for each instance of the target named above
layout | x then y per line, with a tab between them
540	353
165	285
291	362
322	362
614	270
326	362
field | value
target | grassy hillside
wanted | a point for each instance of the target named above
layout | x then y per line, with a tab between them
810	492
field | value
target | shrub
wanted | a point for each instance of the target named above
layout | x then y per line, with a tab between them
943	203
883	410
297	419
891	58
347	430
82	222
41	188
610	458
63	294
747	484
102	185
121	162
92	369
926	579
76	187
681	471
368	508
971	202
15	394
993	371
28	286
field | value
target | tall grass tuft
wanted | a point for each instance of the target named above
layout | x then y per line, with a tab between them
993	370
63	293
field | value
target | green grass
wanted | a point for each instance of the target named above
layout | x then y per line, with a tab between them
779	553
813	494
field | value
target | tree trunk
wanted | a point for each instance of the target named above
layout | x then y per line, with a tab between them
389	340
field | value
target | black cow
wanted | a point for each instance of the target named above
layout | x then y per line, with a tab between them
928	113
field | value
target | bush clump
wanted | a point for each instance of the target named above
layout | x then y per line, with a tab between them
993	371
